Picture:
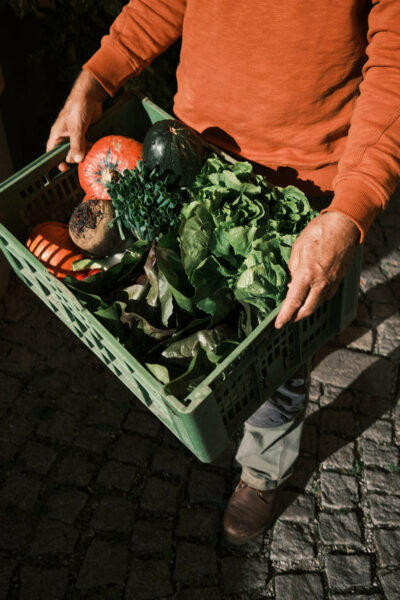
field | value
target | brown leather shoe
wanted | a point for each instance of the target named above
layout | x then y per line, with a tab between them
249	512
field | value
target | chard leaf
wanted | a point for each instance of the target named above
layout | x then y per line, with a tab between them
149	269
110	318
171	266
199	367
207	280
159	371
166	299
195	235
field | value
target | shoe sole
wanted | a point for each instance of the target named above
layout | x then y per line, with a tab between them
242	541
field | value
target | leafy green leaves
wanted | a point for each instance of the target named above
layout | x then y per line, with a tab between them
242	229
144	202
182	303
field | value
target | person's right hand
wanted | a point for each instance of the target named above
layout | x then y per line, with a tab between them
83	107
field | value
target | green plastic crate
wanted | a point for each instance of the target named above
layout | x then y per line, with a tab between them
206	419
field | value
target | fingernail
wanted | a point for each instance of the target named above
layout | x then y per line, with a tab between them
78	157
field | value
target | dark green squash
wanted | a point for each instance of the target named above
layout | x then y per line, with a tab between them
171	146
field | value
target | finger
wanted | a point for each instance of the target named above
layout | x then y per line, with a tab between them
70	158
77	144
63	166
55	138
297	293
315	297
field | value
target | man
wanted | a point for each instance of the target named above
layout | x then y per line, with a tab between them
309	92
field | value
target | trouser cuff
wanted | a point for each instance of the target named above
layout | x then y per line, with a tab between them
258	483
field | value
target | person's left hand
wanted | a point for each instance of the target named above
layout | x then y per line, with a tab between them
319	259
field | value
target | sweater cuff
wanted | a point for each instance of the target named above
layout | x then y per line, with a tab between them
358	202
111	68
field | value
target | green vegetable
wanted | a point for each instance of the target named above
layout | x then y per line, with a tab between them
172	147
144	203
183	302
238	233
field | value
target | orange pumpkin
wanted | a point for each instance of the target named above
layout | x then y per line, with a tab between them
106	159
51	244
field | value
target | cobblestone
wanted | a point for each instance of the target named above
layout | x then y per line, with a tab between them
378	481
388	547
66	506
206	487
358	597
336	453
20	492
7	453
38	584
300	507
390	583
292	542
104	413
338	422
113	514
357	338
105	563
93	440
384	510
198	523
148	579
387	335
243	575
75	469
143	423
15	430
54	537
132	449
199	594
309	440
340	529
152	537
338	490
299	587
117	475
380	431
15	528
160	496
38	458
6	570
379	455
348	572
357	370
10	388
195	565
170	461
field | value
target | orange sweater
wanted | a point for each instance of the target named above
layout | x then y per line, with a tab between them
313	88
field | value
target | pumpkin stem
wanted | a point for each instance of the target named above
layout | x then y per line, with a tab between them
110	175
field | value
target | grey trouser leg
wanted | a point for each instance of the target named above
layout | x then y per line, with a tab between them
272	434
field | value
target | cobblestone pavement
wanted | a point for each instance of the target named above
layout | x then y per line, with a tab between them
99	501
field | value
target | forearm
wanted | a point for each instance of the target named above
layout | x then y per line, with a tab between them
369	168
86	85
143	30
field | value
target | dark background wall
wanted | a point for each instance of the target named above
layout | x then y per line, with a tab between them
43	44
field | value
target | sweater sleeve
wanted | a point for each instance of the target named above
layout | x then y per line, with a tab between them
369	168
143	30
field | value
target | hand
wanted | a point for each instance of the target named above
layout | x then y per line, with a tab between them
83	107
319	259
